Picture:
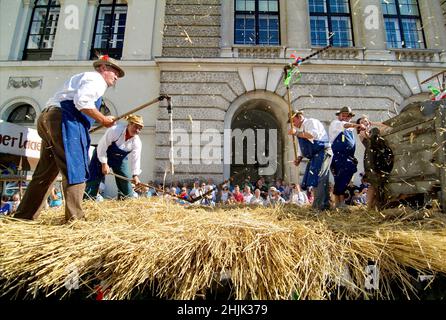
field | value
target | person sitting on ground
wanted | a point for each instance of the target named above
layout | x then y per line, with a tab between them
357	200
226	195
5	207
15	202
298	196
247	195
55	198
257	198
274	199
237	195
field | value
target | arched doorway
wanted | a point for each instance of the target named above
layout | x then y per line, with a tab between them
256	143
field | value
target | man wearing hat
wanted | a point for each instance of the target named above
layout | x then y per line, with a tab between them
119	146
313	145
63	126
343	144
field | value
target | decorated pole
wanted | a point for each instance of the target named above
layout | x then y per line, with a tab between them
290	70
290	114
145	105
169	111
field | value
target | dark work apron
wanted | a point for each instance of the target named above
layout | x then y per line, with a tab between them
344	164
315	152
76	140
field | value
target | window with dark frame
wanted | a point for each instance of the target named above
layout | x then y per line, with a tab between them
42	30
23	113
330	23
257	22
109	29
402	20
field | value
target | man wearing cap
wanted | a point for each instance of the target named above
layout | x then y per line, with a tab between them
343	144
118	146
313	145
63	126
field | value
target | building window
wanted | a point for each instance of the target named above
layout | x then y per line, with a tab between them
330	23
257	22
42	30
402	20
23	113
109	29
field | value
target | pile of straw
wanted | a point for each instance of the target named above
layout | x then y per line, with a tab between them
136	247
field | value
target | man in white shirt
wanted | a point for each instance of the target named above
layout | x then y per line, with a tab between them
118	146
63	126
257	198
343	144
313	145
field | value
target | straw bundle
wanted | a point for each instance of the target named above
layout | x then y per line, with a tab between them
147	248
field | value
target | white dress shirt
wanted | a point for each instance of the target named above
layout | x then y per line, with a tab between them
83	89
117	134
336	127
316	129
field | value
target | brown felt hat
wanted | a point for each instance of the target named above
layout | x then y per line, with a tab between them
345	109
106	60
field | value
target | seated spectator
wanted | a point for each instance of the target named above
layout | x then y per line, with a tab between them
357	200
15	201
310	195
183	194
196	191
237	195
351	192
263	188
247	195
257	198
225	196
274	198
298	196
5	206
363	194
55	199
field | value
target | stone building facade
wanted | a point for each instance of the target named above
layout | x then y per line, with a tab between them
187	49
214	81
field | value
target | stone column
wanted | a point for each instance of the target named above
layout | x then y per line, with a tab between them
370	31
139	30
433	24
10	11
227	28
68	41
17	15
297	27
88	29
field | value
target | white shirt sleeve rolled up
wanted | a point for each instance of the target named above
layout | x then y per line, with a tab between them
83	89
117	134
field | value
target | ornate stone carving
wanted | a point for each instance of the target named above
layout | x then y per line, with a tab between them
337	53
25	82
416	55
266	52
